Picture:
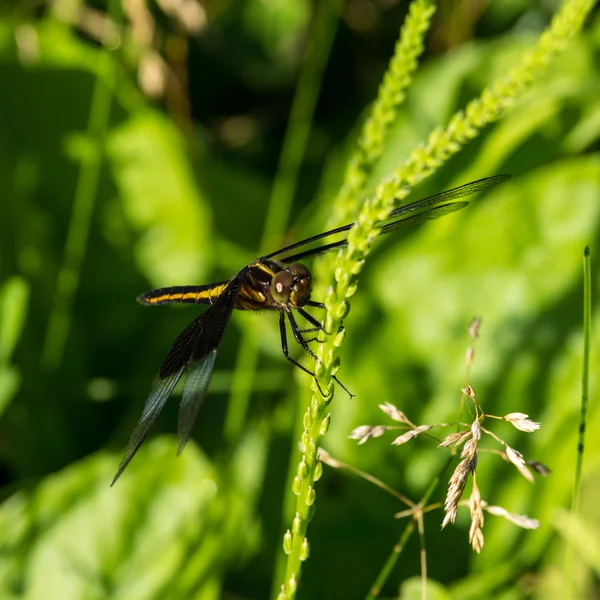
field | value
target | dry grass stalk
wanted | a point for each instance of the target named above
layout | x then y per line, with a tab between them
468	437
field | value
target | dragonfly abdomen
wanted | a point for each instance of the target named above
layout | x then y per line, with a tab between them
186	294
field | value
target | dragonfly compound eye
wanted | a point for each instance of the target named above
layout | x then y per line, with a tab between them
281	285
300	286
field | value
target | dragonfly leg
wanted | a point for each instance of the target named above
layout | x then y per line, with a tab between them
304	343
315	304
316	325
284	345
298	334
313	321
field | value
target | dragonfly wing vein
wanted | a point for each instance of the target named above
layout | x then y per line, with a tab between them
197	380
160	392
425	203
201	362
428	215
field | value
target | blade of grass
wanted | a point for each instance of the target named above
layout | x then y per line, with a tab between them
585	389
315	421
59	322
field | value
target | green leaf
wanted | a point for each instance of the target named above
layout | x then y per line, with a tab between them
80	538
161	200
412	589
583	536
14	299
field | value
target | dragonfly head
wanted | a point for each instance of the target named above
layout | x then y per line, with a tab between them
292	285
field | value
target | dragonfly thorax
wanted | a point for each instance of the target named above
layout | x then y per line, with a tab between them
292	285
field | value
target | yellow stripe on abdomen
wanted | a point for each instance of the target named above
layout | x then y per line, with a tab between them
166	295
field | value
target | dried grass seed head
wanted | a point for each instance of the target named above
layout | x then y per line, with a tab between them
516	458
366	432
393	412
477	519
522	422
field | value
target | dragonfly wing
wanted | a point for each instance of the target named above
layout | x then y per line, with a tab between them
197	380
170	372
403	223
203	357
181	350
454	194
428	215
314	252
419	205
161	390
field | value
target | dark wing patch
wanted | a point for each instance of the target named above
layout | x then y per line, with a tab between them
161	390
170	372
204	354
195	349
181	349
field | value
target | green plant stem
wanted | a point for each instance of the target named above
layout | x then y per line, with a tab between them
390	563
83	207
424	160
585	391
585	375
370	147
284	187
391	94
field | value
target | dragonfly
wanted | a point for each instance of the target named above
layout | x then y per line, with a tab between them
275	282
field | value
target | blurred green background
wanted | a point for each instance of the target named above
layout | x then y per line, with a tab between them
191	101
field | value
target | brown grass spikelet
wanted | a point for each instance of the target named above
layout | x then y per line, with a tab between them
469	356
455	439
455	490
410	434
539	468
469	452
393	412
522	521
476	508
474	327
522	422
363	433
516	458
458	481
467	390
